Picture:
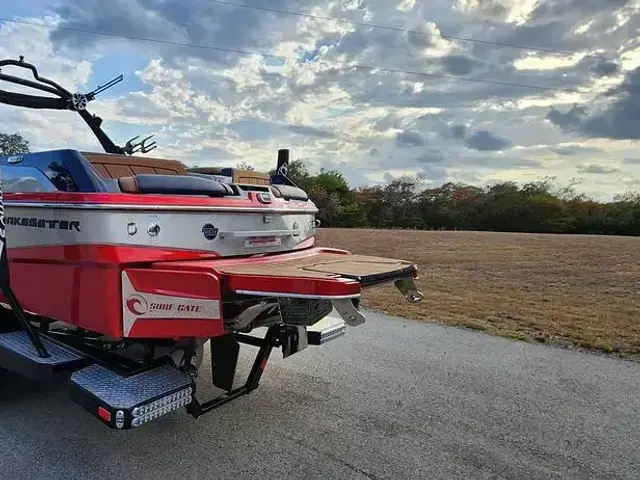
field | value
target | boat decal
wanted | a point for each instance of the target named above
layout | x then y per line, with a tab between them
36	222
209	231
137	305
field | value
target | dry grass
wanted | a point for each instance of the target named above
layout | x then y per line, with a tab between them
571	290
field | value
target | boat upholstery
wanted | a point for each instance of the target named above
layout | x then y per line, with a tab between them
117	166
289	192
238	175
173	185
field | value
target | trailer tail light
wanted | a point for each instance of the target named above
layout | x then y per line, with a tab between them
146	413
104	414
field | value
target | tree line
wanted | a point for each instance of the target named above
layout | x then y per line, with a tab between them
534	207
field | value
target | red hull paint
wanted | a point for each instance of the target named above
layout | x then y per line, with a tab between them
200	285
114	254
82	295
82	285
105	255
176	328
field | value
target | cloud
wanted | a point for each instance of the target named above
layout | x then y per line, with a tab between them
484	140
570	151
458	64
207	105
408	138
431	156
201	23
605	68
499	162
458	131
597	169
310	131
433	175
631	161
571	119
617	119
489	9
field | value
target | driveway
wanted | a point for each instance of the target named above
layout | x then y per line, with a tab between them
391	399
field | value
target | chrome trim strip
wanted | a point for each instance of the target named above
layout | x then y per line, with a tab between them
296	295
260	233
181	208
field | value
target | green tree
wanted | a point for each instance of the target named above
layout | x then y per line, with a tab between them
332	181
540	206
399	203
451	206
329	204
13	144
371	201
245	166
298	174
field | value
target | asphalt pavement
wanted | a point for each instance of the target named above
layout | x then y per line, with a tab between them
393	399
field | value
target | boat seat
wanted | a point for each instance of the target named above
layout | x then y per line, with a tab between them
237	175
289	192
173	185
117	166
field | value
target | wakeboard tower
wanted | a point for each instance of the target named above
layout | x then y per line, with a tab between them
116	270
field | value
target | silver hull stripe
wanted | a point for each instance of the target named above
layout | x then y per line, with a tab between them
202	230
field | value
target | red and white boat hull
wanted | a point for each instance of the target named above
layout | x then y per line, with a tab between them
145	266
39	230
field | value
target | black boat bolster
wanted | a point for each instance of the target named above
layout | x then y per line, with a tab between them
289	192
173	185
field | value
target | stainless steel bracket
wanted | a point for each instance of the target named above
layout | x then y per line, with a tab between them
348	311
408	288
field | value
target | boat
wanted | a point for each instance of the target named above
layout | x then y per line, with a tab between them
118	269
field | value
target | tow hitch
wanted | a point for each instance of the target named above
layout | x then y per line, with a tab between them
225	349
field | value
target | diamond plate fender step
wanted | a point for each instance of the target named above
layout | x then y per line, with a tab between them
17	354
129	402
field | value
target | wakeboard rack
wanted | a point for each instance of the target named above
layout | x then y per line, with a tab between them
63	99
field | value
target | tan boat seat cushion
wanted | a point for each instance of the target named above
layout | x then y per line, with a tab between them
117	166
241	176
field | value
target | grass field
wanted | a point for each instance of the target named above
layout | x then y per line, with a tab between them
570	290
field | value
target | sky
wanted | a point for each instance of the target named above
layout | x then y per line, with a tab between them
471	91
